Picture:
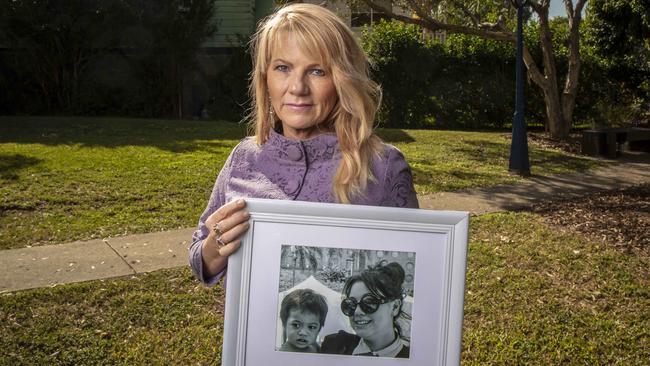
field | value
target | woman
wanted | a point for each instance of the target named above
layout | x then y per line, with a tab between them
373	304
313	115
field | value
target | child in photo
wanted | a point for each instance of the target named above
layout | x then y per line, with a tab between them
303	314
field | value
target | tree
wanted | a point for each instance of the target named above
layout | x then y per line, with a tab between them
169	33
494	19
303	257
619	33
51	48
52	42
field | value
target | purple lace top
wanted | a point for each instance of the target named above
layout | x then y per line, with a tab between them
299	170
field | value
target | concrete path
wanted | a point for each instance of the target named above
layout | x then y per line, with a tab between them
634	170
120	256
51	265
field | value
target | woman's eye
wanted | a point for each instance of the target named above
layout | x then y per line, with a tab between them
282	68
317	72
312	327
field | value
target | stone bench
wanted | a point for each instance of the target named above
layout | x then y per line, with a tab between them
610	141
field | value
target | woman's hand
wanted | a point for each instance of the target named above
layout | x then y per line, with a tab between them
227	224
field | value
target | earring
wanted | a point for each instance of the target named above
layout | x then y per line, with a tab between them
271	111
396	307
272	114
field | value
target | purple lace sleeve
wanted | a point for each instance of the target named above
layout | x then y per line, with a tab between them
217	199
398	182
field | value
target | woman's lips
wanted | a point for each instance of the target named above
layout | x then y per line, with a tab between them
298	107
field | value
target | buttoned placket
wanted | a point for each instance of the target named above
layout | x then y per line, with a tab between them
296	152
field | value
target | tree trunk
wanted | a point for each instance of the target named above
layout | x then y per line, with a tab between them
558	125
573	73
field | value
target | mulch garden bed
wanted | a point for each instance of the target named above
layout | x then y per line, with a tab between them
618	217
571	145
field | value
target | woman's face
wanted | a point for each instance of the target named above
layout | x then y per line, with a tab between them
377	325
301	89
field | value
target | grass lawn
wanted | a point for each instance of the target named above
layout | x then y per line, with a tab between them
453	160
65	179
535	296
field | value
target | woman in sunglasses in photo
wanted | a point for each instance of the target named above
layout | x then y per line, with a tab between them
373	303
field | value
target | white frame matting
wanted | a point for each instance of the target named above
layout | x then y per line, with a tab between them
439	239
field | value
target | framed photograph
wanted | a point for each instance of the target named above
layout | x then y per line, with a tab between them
321	284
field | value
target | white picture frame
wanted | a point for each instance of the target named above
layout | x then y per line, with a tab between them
438	240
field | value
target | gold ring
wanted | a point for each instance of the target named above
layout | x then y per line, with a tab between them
217	229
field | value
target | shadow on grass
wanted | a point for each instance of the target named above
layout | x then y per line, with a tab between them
423	176
552	159
481	151
451	180
394	135
12	164
469	176
171	135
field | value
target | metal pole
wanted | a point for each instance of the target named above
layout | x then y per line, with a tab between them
519	163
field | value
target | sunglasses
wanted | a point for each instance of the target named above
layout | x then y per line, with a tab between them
368	303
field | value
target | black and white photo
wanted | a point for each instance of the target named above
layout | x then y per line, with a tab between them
345	301
327	284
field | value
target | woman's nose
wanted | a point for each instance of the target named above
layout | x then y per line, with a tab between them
298	85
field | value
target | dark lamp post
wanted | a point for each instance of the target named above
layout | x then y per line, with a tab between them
519	163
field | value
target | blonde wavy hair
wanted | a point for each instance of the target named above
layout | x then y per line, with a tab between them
318	30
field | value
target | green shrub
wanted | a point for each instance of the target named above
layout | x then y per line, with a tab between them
477	84
617	40
465	82
403	63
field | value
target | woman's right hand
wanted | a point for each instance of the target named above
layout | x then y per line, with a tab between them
231	220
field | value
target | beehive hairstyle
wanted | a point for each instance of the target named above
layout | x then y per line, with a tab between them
383	281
